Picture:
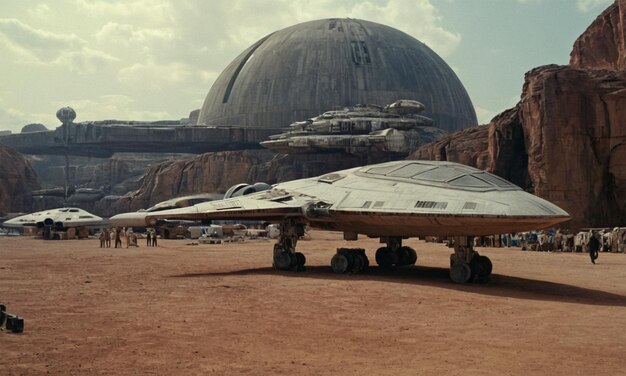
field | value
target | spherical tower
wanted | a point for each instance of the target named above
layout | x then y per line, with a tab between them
306	69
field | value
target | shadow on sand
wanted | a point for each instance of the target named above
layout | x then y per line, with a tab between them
500	285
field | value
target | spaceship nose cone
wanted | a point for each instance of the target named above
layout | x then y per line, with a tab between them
528	205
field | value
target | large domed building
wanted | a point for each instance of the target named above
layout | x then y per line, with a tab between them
306	69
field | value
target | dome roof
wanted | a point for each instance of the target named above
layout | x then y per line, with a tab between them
306	69
34	127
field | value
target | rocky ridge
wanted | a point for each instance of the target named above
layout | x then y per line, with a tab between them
17	180
216	172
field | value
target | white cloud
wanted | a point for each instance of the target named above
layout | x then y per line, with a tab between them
36	46
10	118
40	11
40	44
419	19
160	75
589	5
84	61
128	35
140	11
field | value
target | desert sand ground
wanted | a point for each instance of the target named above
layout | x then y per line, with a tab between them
221	309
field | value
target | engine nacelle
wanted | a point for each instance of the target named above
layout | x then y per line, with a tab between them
243	189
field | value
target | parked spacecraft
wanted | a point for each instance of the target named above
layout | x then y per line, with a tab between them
61	218
391	201
395	128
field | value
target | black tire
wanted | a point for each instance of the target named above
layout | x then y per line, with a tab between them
367	260
411	255
380	255
486	265
282	260
460	272
339	264
403	256
357	263
300	259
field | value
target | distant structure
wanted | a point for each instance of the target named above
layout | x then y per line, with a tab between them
395	129
102	139
34	127
303	70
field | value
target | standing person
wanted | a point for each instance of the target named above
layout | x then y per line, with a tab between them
154	238
118	239
149	238
107	237
102	237
594	246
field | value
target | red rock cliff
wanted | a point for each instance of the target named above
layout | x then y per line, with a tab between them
603	44
17	180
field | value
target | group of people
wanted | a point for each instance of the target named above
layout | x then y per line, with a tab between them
151	238
115	235
557	240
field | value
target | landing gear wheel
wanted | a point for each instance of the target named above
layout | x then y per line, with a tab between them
487	266
339	264
411	255
300	261
380	255
403	256
300	258
282	260
357	263
460	272
386	258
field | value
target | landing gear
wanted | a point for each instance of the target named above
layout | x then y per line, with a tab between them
285	255
394	254
349	260
466	265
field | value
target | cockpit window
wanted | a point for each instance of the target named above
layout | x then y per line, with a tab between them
73	210
495	180
410	170
382	170
469	181
442	173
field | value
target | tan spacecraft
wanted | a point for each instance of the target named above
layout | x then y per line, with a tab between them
391	201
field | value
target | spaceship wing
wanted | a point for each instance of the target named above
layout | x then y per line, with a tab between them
274	204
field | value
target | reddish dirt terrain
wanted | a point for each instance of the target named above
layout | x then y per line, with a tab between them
221	309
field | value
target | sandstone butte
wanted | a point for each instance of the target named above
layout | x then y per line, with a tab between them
17	180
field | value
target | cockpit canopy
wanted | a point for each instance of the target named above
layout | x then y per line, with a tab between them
452	175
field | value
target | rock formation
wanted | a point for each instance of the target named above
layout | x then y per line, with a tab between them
566	139
216	172
17	180
603	44
210	172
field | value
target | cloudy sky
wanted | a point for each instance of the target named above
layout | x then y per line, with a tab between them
157	59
